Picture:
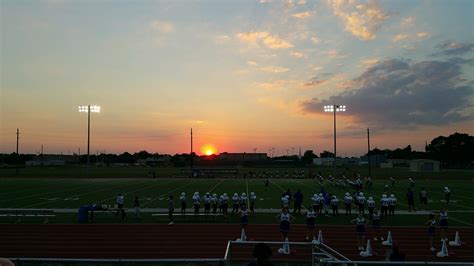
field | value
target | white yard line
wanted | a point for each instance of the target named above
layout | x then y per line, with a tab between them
78	195
171	191
216	185
44	193
461	221
438	192
130	192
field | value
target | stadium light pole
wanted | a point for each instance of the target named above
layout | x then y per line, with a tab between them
334	109
88	109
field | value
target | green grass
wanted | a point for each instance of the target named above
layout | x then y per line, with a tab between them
136	171
74	192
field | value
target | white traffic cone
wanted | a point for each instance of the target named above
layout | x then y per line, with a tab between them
285	249
457	241
444	250
319	240
368	250
389	241
243	237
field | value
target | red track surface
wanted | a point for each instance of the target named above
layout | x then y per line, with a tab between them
201	241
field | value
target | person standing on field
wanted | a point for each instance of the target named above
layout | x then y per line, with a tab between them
298	201
182	198
424	197
348	202
120	199
411	200
136	206
447	193
170	210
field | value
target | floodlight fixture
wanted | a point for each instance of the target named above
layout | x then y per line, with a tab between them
334	109
89	109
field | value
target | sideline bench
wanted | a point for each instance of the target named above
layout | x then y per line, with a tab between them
20	213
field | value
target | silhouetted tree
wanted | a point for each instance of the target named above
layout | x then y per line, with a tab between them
326	154
308	157
456	150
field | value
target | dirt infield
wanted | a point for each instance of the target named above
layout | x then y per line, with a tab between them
201	241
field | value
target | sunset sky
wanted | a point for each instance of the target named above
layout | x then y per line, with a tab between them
242	74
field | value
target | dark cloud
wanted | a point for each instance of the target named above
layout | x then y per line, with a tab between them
317	80
453	48
314	81
400	93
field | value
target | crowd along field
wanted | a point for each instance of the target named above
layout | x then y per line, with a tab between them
71	193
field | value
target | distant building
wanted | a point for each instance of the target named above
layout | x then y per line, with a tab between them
242	157
375	160
52	160
328	161
154	161
399	162
45	163
423	165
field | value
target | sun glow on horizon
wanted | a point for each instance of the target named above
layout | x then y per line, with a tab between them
208	150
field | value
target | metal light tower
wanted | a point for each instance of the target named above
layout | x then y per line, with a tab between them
88	109
334	109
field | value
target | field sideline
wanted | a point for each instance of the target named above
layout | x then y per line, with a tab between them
62	193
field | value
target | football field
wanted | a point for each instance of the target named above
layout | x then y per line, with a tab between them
66	195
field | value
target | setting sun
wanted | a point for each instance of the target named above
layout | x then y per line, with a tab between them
208	150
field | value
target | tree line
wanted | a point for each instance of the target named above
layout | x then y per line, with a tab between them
453	151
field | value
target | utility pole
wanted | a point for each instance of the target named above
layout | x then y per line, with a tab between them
42	156
191	148
368	151
335	156
17	154
17	139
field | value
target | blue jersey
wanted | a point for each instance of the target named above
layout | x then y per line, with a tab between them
244	217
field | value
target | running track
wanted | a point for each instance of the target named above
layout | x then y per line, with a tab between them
200	241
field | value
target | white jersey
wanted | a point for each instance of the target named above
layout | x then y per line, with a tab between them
347	199
446	190
361	200
207	200
236	199
285	201
119	199
196	199
213	200
224	199
315	200
285	217
371	203
392	201
243	199
253	197
334	202
385	202
182	198
310	214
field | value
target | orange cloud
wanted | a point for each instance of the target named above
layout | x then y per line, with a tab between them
162	26
302	15
361	20
272	42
